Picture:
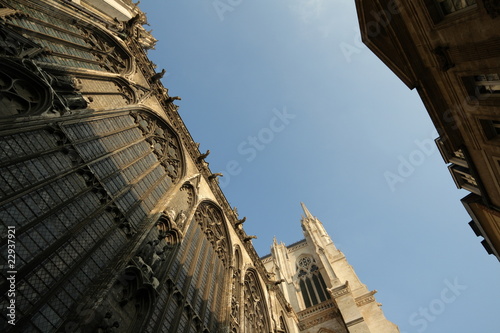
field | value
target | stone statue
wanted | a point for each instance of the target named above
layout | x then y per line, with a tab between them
158	76
203	156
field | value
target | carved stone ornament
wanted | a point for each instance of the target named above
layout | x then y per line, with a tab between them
254	307
163	143
45	93
444	58
211	221
15	45
109	55
340	291
21	93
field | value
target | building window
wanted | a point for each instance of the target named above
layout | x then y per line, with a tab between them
483	88
451	6
491	128
194	300
254	309
440	9
464	179
311	283
487	84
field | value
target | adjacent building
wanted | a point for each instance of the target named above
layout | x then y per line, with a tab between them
110	218
449	51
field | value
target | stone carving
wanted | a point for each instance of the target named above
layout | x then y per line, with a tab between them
235	308
254	307
109	56
107	325
305	262
215	175
150	256
171	214
172	99
248	238
181	219
279	282
202	156
444	57
340	291
156	77
22	94
241	221
15	45
211	221
163	143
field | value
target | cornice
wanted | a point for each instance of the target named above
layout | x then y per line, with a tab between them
317	314
297	245
366	298
316	309
340	291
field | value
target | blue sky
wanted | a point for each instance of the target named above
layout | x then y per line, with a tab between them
294	108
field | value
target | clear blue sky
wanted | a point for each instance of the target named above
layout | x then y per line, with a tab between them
294	108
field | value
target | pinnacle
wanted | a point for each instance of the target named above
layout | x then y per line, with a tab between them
307	213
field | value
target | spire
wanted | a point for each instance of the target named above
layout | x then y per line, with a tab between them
307	213
314	228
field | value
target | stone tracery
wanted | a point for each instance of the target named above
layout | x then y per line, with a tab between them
255	319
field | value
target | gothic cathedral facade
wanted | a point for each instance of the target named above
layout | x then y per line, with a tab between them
110	218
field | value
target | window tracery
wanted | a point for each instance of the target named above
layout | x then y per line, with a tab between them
67	44
255	317
311	283
212	223
77	189
236	293
192	295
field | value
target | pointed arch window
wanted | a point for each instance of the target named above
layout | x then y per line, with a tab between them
255	313
311	282
77	190
63	42
191	300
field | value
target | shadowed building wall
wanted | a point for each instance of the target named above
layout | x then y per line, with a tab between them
449	51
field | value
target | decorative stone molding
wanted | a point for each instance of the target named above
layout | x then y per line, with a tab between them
303	325
340	291
443	56
314	310
355	322
297	245
365	299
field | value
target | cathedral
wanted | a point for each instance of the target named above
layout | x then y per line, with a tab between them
110	218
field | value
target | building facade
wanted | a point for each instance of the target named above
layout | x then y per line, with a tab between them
449	50
110	218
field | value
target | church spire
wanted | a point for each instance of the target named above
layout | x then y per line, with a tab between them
307	213
314	229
